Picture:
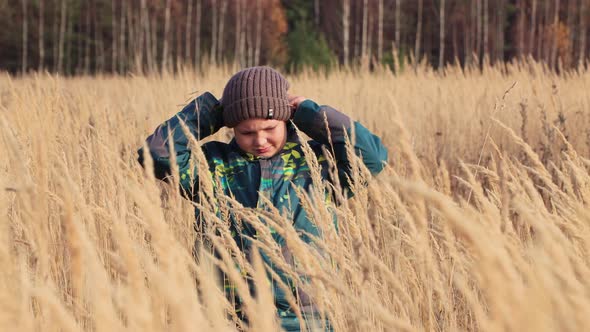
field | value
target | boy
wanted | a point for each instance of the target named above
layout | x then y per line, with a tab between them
265	158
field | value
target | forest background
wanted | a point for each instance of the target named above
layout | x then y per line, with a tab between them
73	37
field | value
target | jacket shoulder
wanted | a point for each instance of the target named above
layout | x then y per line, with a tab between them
216	149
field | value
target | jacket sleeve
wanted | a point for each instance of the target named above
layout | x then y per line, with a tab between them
203	117
311	119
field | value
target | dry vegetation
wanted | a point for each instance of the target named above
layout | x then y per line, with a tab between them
480	222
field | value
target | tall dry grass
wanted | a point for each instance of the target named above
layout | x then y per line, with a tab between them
480	221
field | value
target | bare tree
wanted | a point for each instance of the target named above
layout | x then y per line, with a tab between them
533	27
166	38
122	51
178	48
198	34
357	32
468	36
571	16
582	45
521	21
99	45
88	38
62	36
258	32
455	36
41	35
150	40
213	31
153	65
398	25
135	39
25	48
478	28
139	32
365	26
187	46
114	38
316	12
486	30
544	50
55	35
70	44
244	36
380	31
473	34
500	31
249	44
238	30
220	36
418	34
441	36
553	58
345	30
370	26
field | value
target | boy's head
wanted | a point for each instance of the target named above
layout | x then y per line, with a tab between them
256	105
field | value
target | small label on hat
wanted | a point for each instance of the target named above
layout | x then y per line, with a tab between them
270	113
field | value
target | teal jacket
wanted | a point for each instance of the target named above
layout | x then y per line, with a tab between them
248	178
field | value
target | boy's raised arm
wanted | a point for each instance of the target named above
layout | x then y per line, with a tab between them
311	119
203	117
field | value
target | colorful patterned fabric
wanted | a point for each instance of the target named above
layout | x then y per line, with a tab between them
248	179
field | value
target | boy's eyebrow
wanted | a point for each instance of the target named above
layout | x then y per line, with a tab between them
249	130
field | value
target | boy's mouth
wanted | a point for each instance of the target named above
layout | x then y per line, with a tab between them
263	150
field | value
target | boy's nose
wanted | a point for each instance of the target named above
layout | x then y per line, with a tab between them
260	140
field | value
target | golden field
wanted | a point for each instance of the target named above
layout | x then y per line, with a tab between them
481	220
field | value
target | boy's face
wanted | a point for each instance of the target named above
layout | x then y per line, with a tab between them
261	137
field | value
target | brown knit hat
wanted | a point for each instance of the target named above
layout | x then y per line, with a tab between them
256	92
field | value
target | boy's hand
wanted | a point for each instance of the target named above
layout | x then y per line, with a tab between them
294	102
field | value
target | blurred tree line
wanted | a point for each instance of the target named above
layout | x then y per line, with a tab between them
118	36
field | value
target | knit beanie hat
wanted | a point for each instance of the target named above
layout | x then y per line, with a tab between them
256	92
